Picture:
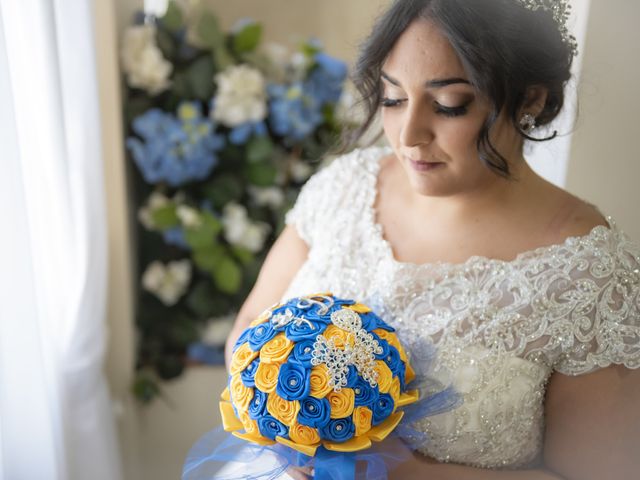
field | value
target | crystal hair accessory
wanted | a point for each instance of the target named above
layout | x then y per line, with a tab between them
561	9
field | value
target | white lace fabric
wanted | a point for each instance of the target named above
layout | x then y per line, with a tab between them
501	328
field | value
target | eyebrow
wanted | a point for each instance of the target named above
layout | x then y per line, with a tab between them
436	83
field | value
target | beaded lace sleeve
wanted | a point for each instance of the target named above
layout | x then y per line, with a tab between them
603	325
320	197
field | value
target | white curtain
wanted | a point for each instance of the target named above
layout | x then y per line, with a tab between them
56	419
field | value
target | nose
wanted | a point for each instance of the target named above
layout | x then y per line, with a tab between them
417	125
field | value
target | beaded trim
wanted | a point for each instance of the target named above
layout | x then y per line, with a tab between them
561	9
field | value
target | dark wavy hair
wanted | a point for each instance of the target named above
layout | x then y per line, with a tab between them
504	49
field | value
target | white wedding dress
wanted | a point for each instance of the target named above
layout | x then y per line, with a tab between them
501	328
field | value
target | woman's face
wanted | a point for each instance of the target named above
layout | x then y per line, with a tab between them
430	113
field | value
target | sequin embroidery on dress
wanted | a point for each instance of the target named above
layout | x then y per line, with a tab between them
501	327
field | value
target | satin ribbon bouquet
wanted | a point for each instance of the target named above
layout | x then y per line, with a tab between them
321	383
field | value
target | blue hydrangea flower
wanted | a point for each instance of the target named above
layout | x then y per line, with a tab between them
175	236
292	112
175	149
242	133
326	79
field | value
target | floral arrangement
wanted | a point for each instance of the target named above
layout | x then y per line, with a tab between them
222	134
317	371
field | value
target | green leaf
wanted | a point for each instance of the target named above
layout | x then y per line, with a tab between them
173	18
165	217
259	149
223	189
145	388
204	235
201	299
247	39
227	275
261	174
180	86
242	254
200	77
208	30
166	43
209	257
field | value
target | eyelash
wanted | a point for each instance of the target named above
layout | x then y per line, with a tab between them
441	109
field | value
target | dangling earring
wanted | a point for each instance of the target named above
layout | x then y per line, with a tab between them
527	122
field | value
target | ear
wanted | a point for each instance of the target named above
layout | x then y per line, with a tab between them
535	99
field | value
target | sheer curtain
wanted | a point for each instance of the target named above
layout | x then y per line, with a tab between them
55	413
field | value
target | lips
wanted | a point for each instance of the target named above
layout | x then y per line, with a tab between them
423	165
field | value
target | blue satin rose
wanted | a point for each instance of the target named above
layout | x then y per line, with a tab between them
303	330
272	428
393	361
371	321
352	376
314	412
338	430
382	408
248	374
365	394
293	381
260	334
258	404
303	352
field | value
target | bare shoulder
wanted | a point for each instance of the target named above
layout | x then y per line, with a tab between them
573	216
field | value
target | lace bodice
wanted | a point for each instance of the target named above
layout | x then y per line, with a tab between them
501	327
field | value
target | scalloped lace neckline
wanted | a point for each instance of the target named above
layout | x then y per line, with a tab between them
527	255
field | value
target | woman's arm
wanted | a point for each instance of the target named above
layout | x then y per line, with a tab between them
592	433
283	261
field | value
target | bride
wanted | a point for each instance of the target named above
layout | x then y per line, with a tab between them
530	294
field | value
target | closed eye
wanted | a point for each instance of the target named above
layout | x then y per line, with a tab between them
440	109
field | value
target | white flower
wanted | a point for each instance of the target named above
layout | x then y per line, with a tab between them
156	200
142	60
217	330
241	231
270	196
300	170
241	96
300	64
167	282
188	216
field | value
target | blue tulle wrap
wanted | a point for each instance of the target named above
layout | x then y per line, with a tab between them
217	448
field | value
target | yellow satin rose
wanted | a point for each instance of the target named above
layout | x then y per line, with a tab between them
282	409
385	377
249	424
241	358
358	307
362	417
390	337
303	435
339	336
342	403
240	395
276	350
319	380
266	377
